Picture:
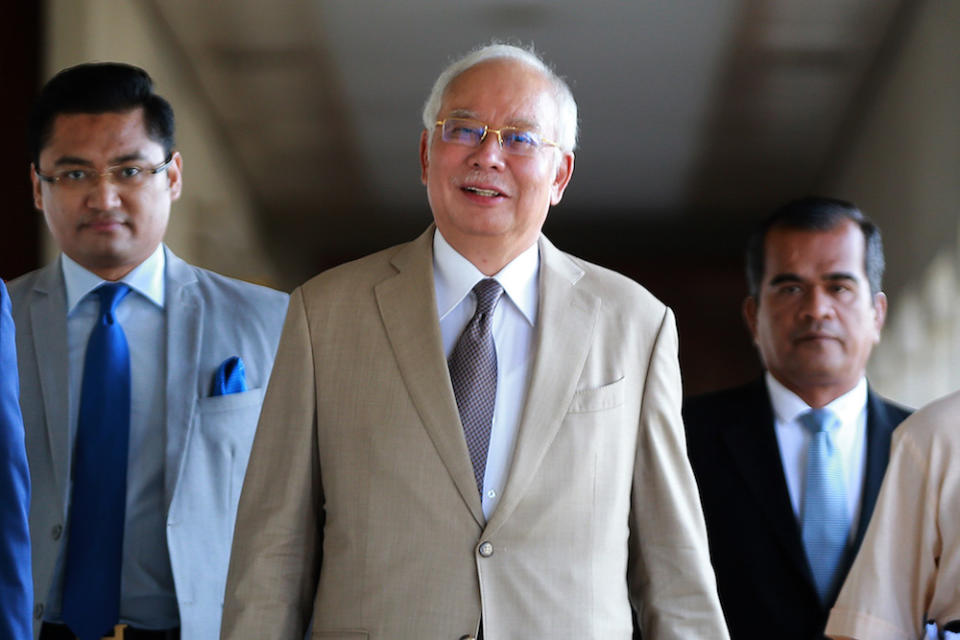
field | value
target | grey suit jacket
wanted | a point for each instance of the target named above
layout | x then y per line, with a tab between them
209	318
360	508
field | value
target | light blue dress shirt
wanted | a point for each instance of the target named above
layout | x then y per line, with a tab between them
148	597
514	321
849	438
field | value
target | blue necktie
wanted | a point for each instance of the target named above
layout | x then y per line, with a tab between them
825	524
91	590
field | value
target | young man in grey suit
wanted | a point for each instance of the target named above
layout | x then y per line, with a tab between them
786	501
475	433
141	376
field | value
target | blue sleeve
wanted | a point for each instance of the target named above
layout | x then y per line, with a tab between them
16	583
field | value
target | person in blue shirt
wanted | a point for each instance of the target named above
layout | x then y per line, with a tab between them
16	584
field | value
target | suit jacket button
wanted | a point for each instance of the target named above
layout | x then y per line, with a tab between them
486	549
56	531
38	611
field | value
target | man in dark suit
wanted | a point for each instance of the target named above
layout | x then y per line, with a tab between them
16	586
789	466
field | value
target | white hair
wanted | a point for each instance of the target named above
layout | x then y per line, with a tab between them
566	132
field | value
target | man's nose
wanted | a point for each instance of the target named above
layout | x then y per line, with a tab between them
817	303
103	194
489	154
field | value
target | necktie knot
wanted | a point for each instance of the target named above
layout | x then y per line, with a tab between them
110	296
819	420
488	292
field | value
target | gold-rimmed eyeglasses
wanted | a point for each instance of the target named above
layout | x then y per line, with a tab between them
471	133
129	175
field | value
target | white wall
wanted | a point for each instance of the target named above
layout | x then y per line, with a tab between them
903	170
213	224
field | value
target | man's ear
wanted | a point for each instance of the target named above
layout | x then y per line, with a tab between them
424	155
879	312
562	177
750	315
175	175
37	191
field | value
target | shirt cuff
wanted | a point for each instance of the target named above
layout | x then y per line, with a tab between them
855	624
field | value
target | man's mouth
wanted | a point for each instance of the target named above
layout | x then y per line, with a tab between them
811	336
481	191
103	223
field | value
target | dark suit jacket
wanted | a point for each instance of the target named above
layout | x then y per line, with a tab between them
766	588
16	584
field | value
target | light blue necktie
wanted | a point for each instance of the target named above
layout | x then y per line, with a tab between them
91	590
825	522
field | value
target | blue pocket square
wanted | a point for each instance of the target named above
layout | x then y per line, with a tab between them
229	378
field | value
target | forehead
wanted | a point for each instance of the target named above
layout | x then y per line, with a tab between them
98	135
502	91
814	253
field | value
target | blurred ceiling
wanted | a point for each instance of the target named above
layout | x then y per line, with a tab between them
690	111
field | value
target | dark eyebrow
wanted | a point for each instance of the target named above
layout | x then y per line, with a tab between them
75	161
136	155
836	276
841	275
72	160
780	278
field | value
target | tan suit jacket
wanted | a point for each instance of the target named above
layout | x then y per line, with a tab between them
360	508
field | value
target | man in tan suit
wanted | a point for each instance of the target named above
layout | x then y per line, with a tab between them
388	499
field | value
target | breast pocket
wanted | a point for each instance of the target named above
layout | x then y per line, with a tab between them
600	398
200	523
223	437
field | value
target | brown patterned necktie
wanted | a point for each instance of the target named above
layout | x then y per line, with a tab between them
473	372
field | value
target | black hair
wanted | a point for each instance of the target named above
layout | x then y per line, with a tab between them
102	87
815	214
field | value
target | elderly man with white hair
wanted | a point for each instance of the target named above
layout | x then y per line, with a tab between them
474	434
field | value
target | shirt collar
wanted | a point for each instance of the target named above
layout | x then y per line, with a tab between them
787	406
146	279
456	277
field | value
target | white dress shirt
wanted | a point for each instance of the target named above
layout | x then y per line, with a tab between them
513	323
849	438
148	599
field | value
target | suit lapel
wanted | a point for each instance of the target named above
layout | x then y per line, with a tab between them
752	444
880	427
48	322
184	315
564	333
409	312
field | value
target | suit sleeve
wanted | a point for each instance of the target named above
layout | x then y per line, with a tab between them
672	583
16	583
886	595
277	545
